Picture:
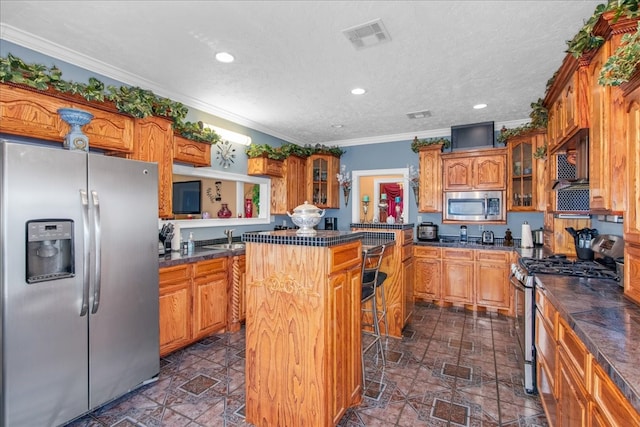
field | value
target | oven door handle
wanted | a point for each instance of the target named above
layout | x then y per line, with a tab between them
516	283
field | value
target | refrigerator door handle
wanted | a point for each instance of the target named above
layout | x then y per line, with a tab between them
98	236
87	241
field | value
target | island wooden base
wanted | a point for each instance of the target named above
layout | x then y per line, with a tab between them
303	355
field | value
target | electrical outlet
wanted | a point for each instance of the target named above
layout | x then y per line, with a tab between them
284	222
481	227
419	218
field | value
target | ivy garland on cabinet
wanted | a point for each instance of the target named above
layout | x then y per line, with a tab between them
134	101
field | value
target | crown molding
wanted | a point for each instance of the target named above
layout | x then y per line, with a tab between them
56	51
434	133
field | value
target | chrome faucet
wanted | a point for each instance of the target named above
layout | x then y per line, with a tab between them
229	233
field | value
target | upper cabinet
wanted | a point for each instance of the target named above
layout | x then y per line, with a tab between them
567	103
322	185
288	192
475	170
191	152
154	143
34	113
526	180
430	178
631	126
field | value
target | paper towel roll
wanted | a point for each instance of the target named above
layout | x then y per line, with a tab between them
526	239
175	242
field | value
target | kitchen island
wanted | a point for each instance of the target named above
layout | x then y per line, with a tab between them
303	362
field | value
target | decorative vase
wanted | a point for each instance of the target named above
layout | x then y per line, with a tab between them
75	139
248	208
346	191
224	211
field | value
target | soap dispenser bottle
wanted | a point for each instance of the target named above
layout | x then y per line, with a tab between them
190	244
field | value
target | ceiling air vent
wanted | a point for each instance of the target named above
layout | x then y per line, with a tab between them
366	35
419	114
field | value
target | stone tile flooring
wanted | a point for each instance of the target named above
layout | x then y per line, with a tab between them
452	368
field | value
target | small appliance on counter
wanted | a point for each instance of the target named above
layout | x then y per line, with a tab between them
330	223
427	231
487	237
538	237
463	234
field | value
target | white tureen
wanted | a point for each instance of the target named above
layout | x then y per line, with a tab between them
306	216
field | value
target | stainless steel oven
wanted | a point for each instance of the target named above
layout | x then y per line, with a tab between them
524	304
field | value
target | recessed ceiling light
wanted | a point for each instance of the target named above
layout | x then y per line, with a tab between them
479	106
225	57
337	126
358	91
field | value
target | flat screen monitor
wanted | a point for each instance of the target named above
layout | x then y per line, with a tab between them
476	135
187	197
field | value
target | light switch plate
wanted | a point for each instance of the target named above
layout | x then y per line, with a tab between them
419	218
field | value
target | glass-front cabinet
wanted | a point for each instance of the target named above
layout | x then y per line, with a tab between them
322	189
526	180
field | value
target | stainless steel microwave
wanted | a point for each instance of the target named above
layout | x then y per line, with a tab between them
475	206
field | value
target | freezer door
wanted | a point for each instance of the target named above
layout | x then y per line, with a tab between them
123	325
44	337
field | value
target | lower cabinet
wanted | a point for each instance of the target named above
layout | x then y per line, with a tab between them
574	389
572	395
428	273
193	302
457	275
491	277
472	277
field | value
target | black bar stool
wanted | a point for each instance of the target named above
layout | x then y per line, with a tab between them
372	279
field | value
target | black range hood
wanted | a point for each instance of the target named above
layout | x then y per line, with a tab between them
577	149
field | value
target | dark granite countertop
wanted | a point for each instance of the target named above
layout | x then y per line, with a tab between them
199	254
607	323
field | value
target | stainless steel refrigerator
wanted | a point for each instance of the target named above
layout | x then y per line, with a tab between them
79	281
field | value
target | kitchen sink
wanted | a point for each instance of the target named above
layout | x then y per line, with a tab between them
231	246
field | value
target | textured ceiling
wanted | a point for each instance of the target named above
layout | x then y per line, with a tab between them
295	68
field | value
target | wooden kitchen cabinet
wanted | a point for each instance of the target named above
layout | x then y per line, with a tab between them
457	275
313	303
193	301
289	191
492	288
546	356
611	407
192	152
632	271
175	307
631	139
260	166
567	103
398	287
573	401
154	143
322	184
526	181
237	308
475	170
209	297
430	167
428	276
33	113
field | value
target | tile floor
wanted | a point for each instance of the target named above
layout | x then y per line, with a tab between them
452	368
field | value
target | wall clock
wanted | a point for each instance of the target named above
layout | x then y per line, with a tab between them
226	153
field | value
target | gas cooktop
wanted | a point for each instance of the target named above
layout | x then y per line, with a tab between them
565	267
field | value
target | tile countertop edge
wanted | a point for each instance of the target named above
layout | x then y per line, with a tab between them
624	374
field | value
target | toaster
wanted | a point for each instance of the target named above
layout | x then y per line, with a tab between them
487	237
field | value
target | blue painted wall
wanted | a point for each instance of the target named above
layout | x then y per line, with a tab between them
389	155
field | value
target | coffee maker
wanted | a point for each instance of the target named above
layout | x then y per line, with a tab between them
330	223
